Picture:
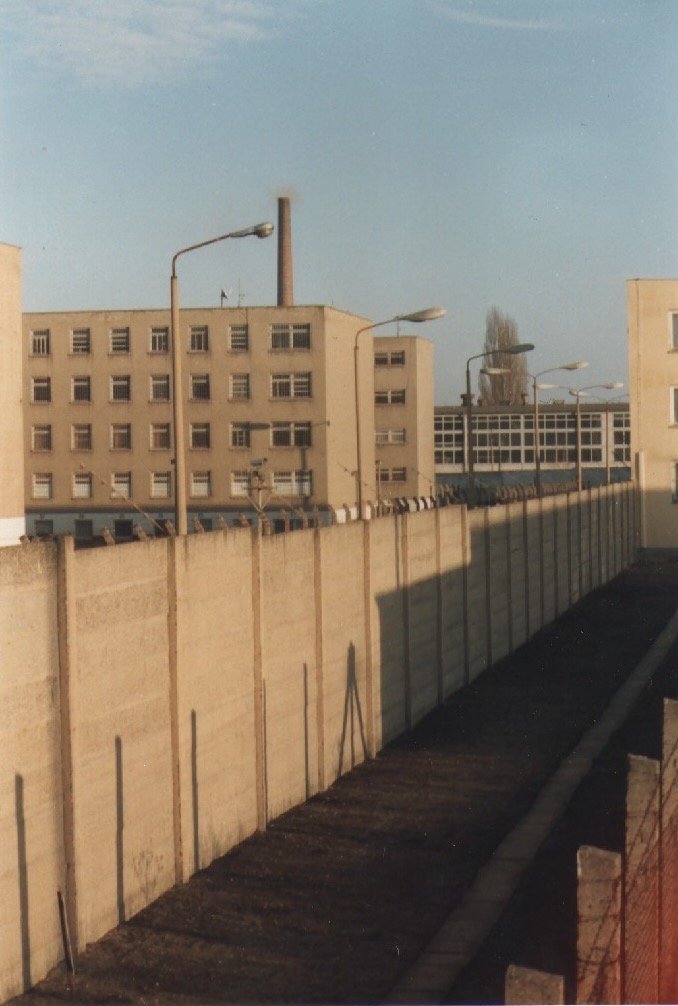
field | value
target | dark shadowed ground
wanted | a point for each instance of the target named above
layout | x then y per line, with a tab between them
338	897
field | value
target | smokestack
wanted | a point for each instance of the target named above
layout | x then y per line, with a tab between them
285	284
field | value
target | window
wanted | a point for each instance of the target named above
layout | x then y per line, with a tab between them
160	387
240	434
392	474
123	529
673	318
81	389
239	386
42	485
291	435
121	485
291	385
199	339
120	341
290	337
674	405
200	387
160	436
394	396
83	529
159	340
80	341
295	483
121	388
41	389
40	342
82	485
449	439
396	358
200	435
239	340
121	436
240	483
201	484
81	437
44	527
41	438
390	436
161	485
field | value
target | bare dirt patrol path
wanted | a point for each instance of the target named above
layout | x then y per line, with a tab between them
336	901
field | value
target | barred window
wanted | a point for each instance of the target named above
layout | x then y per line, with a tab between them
40	342
121	436
81	389
82	485
239	338
120	341
201	484
291	385
160	436
121	485
200	435
41	438
81	437
161	485
159	340
240	434
200	387
41	389
80	341
240	483
160	387
239	386
293	483
121	388
42	485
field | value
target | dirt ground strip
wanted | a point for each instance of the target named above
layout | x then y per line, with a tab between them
337	899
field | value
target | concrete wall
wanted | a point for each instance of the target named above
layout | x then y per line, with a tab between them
167	698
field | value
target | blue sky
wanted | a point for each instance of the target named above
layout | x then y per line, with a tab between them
469	154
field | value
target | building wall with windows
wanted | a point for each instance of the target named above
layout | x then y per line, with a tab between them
504	441
12	521
653	387
270	385
403	416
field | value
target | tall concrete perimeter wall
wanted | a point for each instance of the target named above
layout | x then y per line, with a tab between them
163	700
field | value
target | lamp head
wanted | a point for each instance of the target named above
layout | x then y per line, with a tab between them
521	347
613	385
494	371
577	365
428	314
263	230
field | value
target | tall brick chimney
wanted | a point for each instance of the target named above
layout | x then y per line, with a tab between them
285	272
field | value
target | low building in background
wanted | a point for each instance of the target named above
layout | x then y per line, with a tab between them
653	387
270	414
504	443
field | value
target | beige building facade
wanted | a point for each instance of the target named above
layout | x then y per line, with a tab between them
270	410
653	388
12	520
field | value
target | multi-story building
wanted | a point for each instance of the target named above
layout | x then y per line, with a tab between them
503	440
270	413
12	521
653	387
403	420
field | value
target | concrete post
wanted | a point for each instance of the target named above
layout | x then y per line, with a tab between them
367	608
405	581
440	670
487	549
641	882
525	985
319	658
465	558
258	684
599	893
668	922
175	547
68	662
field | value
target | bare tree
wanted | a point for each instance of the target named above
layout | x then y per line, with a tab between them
501	331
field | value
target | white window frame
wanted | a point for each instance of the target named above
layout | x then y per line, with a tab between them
295	483
81	432
292	336
45	386
121	382
40	342
239	338
119	341
241	483
161	485
42	485
158	340
389	396
160	431
239	435
298	385
160	382
40	432
201	484
199	339
397	436
81	383
239	387
81	485
121	432
119	479
291	434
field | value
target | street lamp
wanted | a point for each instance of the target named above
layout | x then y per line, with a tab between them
521	347
578	392
428	314
260	231
577	365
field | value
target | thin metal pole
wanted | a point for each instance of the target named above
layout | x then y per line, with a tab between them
537	439
469	436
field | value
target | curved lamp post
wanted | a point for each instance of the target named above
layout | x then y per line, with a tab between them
428	314
521	347
577	393
577	365
260	231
